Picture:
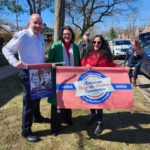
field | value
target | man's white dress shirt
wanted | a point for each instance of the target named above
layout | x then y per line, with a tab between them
30	47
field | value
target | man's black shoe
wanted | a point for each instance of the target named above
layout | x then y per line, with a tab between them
99	128
54	134
70	123
42	120
32	138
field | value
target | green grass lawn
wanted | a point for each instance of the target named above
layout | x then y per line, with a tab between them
122	130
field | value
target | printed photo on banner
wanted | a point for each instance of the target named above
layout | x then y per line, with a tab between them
40	82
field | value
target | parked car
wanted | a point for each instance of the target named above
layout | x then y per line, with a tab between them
145	65
119	47
144	38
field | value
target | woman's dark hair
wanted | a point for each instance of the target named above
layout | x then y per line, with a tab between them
67	28
139	48
104	49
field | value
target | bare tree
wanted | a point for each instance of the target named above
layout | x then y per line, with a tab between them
19	7
132	23
85	13
59	18
12	6
36	6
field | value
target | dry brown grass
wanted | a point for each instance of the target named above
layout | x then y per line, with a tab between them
122	130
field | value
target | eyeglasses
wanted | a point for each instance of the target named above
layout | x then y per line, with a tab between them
98	42
69	34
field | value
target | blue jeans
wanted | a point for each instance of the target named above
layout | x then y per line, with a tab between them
99	113
133	73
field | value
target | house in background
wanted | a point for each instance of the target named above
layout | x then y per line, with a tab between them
146	29
48	34
4	30
6	33
132	33
8	29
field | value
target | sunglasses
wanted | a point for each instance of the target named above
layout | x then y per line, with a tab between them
98	42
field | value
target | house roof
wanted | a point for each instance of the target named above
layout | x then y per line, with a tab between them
9	28
5	28
147	29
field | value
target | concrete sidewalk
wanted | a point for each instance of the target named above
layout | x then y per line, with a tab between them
7	71
144	86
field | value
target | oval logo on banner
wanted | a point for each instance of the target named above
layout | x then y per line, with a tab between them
95	91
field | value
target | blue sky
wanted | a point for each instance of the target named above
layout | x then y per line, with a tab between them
143	17
121	21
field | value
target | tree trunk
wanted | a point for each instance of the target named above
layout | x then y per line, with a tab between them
30	7
17	24
34	6
39	7
59	18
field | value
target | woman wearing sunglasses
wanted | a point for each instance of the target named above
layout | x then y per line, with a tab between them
98	55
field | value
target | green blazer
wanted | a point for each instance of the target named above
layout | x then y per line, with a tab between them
56	55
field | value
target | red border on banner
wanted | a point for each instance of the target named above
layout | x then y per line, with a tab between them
39	66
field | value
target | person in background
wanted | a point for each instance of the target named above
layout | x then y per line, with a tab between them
64	50
98	55
133	60
84	44
30	46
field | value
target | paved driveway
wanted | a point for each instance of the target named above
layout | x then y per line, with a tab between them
7	71
144	86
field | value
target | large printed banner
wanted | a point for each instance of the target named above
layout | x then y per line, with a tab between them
106	88
40	76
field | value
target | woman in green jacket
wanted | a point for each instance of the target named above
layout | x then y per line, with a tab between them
64	50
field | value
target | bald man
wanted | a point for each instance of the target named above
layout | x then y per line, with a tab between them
30	46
